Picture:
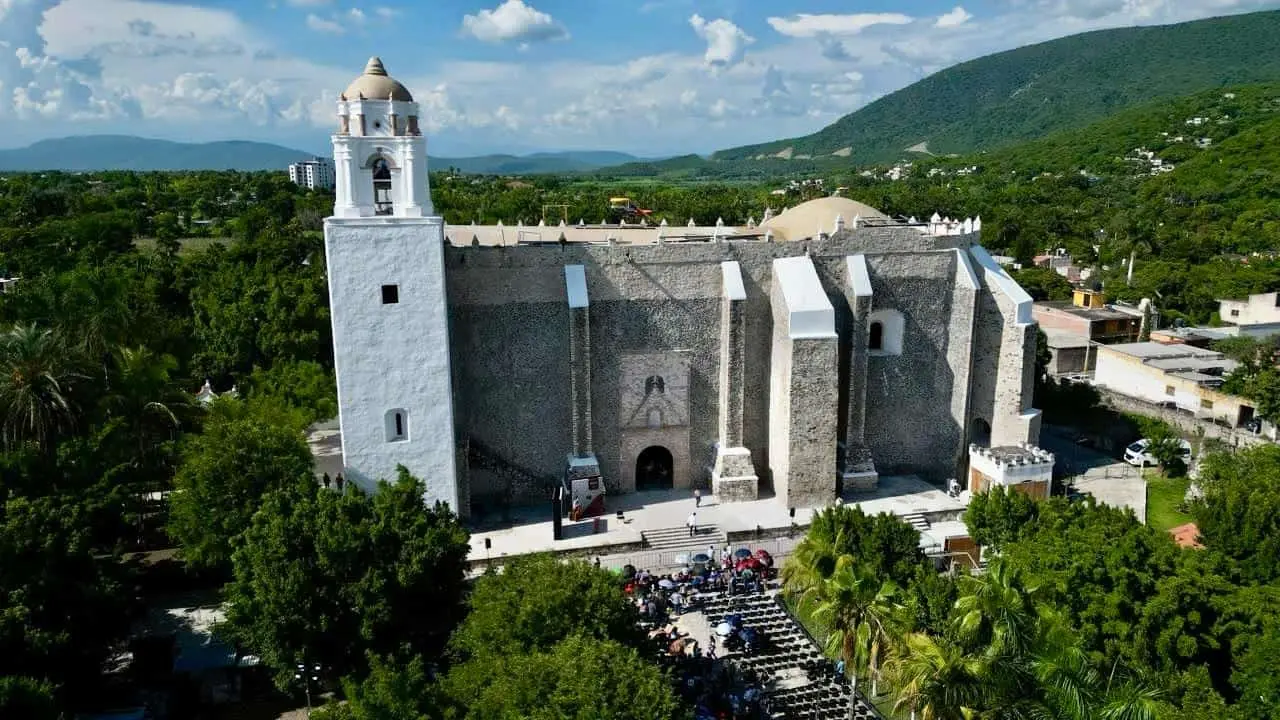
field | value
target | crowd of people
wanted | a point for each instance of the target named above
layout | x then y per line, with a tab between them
718	690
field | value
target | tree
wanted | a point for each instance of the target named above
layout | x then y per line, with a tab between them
861	614
301	383
937	679
537	600
36	381
1043	283
62	604
888	546
141	392
1239	512
24	697
1264	389
392	691
580	678
999	516
245	451
329	578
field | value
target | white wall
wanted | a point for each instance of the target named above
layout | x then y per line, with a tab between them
392	356
1128	376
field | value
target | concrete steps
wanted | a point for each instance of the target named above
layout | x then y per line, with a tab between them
917	521
677	538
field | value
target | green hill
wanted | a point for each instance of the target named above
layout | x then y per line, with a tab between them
536	163
125	152
1032	91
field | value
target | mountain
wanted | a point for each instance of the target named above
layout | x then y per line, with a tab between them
1032	91
536	163
124	152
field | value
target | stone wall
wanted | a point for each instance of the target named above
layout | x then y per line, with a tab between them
510	346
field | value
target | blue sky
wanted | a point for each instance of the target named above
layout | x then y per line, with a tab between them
651	77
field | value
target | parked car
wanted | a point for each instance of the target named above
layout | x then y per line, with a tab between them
1138	453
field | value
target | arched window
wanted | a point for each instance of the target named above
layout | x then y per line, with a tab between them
654	382
382	202
885	329
397	425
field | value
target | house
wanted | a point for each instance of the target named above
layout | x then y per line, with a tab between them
1179	376
1254	310
1073	326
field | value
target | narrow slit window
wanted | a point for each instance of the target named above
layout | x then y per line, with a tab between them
397	425
875	339
390	294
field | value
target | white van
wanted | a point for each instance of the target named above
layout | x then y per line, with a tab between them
1136	454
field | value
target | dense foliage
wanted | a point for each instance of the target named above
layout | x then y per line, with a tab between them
985	646
1193	622
331	578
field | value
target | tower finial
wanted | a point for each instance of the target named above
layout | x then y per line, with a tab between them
375	67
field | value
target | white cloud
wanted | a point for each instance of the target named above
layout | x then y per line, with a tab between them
807	26
513	20
958	16
36	85
189	72
356	15
726	42
324	25
385	13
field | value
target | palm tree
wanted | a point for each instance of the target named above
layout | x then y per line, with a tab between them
937	679
861	613
35	388
997	612
141	392
813	561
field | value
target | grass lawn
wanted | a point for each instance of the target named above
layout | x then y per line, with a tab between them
187	245
1164	496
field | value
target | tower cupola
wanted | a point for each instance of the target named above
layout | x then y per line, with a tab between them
379	152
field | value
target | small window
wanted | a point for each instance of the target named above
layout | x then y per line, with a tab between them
397	425
1235	313
1170	390
875	339
390	294
654	383
1206	404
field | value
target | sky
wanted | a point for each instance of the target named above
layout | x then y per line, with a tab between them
650	77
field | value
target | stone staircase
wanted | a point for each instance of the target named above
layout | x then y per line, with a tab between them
677	538
916	520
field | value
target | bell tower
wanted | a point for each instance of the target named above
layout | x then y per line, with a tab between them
379	153
385	251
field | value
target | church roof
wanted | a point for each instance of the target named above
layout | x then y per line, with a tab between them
809	218
376	84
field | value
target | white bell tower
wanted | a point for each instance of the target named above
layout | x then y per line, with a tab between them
385	251
380	155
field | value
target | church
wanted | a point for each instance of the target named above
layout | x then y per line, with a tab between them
800	358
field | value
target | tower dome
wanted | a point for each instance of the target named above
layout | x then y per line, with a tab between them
376	84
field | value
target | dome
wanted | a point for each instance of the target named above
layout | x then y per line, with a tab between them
808	218
376	84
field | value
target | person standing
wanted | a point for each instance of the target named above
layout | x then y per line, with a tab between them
697	497
693	523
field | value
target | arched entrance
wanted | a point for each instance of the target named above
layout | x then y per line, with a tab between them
655	469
